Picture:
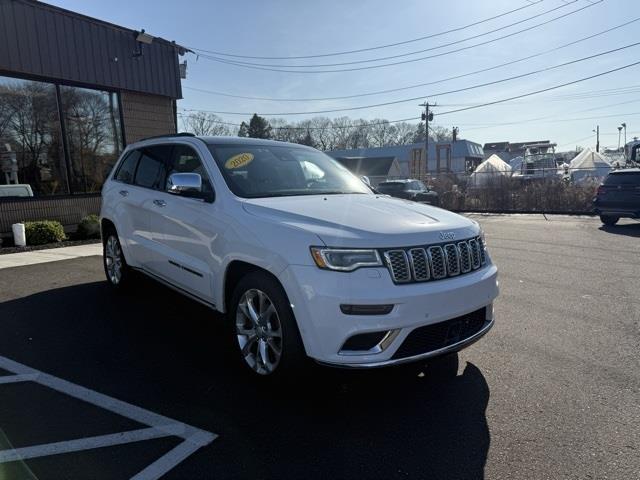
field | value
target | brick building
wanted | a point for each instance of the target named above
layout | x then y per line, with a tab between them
73	91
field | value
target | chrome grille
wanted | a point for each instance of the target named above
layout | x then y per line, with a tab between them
475	253
451	257
435	262
436	258
465	257
483	256
398	265
419	264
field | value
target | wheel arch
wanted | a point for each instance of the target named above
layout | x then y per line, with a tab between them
235	271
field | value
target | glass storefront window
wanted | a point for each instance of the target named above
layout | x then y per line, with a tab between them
31	150
94	135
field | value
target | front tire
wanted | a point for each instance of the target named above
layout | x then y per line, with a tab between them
609	220
266	334
115	266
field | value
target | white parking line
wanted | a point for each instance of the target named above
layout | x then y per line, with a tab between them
160	426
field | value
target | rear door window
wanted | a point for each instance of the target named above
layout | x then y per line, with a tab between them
152	167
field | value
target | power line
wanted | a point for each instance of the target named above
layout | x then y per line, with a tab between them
472	87
368	49
409	87
401	55
369	67
541	90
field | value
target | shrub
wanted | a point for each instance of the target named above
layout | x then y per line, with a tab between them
43	231
89	227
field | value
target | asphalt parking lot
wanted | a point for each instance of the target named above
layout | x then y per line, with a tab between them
553	391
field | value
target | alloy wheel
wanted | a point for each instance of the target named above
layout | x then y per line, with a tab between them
113	259
259	331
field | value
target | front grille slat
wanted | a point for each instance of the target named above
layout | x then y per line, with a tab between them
436	258
452	258
398	265
419	264
435	262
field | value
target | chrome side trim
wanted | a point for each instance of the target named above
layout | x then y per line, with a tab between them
434	353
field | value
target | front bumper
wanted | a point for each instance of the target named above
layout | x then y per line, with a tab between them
316	296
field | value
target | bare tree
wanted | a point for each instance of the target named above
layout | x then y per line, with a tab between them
440	134
321	132
205	124
341	132
404	133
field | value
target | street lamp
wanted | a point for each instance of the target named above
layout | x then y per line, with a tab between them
619	132
624	125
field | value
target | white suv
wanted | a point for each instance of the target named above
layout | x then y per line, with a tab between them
302	256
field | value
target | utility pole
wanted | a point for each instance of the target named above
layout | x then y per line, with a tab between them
426	117
597	132
624	125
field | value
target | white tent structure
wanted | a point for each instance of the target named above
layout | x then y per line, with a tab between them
489	171
588	166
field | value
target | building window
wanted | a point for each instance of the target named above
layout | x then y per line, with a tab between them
31	150
94	135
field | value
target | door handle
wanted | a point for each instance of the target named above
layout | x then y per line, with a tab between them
124	193
159	203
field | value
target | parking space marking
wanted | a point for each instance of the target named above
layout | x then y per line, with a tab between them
159	425
80	444
26	377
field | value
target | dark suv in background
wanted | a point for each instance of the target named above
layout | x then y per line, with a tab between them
409	189
618	196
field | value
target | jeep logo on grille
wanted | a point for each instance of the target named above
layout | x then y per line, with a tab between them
447	235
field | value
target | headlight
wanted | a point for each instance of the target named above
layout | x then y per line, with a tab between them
482	237
345	260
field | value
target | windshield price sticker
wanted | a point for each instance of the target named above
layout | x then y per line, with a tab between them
238	161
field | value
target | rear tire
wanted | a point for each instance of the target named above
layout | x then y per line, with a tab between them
116	270
609	220
265	331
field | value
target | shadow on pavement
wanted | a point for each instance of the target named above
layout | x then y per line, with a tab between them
156	349
628	229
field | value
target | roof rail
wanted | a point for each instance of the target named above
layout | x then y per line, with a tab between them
169	135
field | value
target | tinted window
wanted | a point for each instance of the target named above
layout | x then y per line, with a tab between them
186	160
623	179
152	167
127	168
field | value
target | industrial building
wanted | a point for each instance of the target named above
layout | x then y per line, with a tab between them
461	156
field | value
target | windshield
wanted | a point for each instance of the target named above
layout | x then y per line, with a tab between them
386	187
254	171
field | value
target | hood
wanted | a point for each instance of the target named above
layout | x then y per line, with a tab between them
363	220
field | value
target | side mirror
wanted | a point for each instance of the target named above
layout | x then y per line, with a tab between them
187	185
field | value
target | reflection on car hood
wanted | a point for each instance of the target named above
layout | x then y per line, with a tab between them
364	220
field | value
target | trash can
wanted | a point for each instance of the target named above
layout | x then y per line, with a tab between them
19	237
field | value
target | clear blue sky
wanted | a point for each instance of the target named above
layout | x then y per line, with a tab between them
290	27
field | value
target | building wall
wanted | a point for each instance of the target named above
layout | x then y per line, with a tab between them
146	115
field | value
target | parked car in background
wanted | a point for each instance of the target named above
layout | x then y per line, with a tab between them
16	190
409	189
305	260
618	196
